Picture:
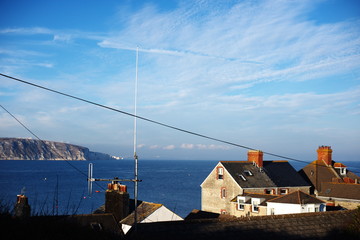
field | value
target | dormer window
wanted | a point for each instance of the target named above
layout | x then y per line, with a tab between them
341	167
219	173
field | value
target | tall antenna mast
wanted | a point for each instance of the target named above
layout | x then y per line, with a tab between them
135	143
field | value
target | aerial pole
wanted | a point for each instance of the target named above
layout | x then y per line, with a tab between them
135	143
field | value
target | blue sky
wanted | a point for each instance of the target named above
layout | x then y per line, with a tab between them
280	76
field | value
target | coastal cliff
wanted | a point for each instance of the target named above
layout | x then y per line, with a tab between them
30	149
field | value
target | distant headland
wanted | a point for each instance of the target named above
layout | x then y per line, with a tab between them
31	149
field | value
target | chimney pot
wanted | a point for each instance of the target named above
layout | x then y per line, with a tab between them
117	201
22	208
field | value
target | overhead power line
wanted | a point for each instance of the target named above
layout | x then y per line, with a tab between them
152	121
43	142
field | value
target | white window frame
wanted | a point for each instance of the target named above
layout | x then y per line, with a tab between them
284	189
241	205
255	204
220	173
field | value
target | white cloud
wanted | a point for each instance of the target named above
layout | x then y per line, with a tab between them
169	147
26	31
187	146
141	145
154	147
210	66
203	146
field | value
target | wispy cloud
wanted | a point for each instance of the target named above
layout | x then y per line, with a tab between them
204	146
233	69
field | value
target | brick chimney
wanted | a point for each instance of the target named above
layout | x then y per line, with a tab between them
324	153
22	208
256	156
117	200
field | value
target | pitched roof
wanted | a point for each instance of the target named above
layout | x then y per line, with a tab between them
273	174
340	190
319	225
144	210
297	197
104	222
317	172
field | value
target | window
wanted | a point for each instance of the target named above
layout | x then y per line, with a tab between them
219	173
96	226
343	171
223	211
268	191
284	191
240	207
223	192
272	211
255	205
317	209
248	173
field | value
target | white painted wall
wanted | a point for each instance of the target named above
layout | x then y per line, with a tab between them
162	214
287	208
125	228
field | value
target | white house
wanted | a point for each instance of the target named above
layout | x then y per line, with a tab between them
296	202
149	212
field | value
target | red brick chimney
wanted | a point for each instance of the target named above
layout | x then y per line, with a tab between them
256	156
324	153
22	207
117	200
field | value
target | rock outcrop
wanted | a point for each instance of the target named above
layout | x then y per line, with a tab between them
30	149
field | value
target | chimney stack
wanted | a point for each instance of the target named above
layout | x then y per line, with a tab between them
324	153
117	200
22	208
256	156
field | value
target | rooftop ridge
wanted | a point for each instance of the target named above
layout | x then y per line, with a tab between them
342	183
299	197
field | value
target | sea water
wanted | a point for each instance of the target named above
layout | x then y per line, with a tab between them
61	187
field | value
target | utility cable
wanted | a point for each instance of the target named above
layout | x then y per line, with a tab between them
153	121
43	142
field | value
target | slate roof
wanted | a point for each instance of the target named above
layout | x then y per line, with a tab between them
237	168
340	190
143	211
318	172
273	174
100	222
319	225
297	197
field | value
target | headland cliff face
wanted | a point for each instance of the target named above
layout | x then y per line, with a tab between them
30	149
